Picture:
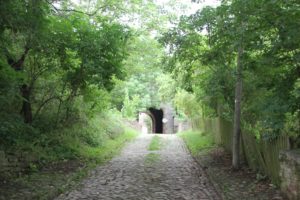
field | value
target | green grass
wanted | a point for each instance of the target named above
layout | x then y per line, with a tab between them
197	141
97	140
110	148
152	158
155	144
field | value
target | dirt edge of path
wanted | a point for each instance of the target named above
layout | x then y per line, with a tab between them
230	184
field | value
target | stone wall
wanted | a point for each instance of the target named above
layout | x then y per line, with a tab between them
168	119
290	173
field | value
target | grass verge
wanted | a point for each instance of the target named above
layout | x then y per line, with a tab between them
197	141
108	149
155	144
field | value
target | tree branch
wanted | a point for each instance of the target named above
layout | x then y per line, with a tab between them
19	63
44	103
77	11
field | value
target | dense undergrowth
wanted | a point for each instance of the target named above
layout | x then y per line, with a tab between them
63	157
93	140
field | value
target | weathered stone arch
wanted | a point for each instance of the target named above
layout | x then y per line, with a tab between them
141	120
162	119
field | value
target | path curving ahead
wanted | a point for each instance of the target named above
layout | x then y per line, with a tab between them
139	174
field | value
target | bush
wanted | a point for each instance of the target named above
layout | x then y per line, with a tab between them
103	134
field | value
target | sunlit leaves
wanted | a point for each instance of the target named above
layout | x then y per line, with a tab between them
205	44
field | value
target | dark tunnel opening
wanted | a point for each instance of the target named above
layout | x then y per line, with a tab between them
158	116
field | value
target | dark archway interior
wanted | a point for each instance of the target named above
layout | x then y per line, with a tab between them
158	116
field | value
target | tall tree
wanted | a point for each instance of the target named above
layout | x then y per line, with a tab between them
24	20
240	42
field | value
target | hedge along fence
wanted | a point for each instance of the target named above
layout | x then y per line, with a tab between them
260	155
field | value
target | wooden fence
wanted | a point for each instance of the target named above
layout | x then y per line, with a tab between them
261	155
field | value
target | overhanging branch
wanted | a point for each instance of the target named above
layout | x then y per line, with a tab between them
58	10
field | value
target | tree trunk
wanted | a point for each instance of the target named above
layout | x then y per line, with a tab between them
237	112
26	108
24	89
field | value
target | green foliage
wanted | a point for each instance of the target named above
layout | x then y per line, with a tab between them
187	104
68	64
65	64
13	131
167	88
93	139
109	148
292	124
146	85
196	141
9	90
203	50
130	106
60	59
155	144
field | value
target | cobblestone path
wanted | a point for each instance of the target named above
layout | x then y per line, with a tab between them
138	174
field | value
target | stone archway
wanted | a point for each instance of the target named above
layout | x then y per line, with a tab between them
157	117
143	120
162	119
